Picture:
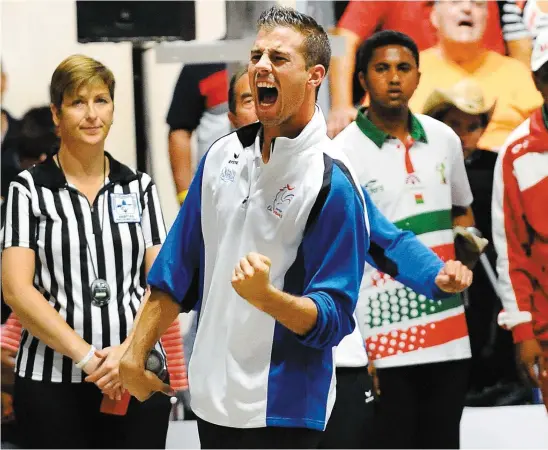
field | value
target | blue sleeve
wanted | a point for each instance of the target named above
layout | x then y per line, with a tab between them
401	255
334	248
178	268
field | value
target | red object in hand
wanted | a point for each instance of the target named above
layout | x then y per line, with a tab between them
116	407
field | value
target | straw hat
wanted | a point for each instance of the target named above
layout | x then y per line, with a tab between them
466	96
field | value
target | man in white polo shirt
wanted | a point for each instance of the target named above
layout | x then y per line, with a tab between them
412	167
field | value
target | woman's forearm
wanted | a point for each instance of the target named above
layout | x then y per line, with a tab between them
45	323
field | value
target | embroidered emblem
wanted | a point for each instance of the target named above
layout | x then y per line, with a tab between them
373	186
412	179
227	175
281	201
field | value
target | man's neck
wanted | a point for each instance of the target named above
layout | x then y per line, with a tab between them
461	53
394	122
289	129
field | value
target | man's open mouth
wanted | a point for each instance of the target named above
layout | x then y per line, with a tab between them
268	93
466	23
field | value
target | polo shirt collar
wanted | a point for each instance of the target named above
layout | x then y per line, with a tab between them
379	137
49	175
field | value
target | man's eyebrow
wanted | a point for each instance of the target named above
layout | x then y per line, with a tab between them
245	95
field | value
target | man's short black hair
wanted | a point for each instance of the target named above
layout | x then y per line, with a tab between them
232	86
382	39
37	135
316	47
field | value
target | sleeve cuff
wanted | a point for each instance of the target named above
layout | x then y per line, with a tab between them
523	332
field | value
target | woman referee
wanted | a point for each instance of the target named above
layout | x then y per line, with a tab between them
81	232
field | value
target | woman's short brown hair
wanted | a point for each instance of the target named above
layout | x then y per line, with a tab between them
77	71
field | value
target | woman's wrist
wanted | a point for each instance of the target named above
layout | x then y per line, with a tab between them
87	357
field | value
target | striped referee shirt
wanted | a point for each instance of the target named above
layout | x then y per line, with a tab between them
75	243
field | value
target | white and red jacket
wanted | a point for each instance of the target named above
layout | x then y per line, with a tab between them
520	228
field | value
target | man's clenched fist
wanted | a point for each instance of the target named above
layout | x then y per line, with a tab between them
454	277
251	278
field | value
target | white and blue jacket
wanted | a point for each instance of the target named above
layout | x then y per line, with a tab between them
307	214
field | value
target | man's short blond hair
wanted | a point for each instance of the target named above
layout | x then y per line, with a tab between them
75	72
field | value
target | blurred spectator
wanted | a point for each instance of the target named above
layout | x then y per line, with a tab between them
520	230
10	129
525	16
240	100
463	107
199	104
361	19
36	138
460	54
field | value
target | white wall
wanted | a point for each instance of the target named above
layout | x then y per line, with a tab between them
36	37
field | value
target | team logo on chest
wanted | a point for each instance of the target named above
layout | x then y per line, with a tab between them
281	201
228	175
412	179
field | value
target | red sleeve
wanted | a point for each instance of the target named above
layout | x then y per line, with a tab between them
511	238
172	341
363	18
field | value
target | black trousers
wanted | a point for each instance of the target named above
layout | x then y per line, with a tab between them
421	406
67	415
216	436
351	422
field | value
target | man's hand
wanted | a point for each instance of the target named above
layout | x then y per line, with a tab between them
107	375
339	119
8	358
251	278
530	354
454	277
8	363
373	374
139	382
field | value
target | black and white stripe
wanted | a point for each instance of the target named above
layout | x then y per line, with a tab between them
58	223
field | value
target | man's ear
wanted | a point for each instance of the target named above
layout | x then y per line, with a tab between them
316	75
55	114
42	157
363	82
232	118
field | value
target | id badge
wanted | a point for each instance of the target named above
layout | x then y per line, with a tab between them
125	208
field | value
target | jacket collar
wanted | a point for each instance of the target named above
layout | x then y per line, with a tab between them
379	137
49	175
313	133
